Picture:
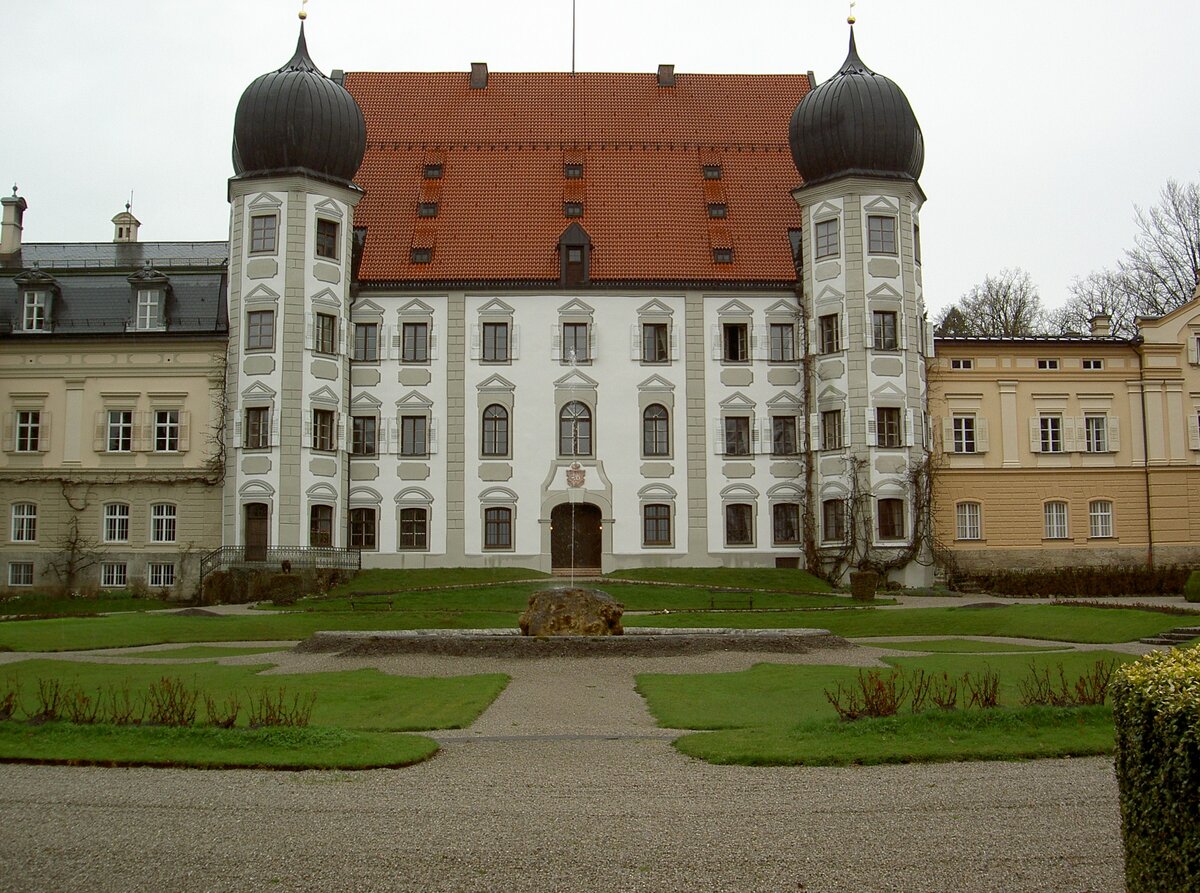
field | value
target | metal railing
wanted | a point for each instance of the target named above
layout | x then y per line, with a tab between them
274	557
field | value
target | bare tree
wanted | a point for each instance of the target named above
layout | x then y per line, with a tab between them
1101	293
1006	304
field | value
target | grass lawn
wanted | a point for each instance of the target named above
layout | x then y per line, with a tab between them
958	646
774	714
398	580
1062	623
353	699
766	578
210	748
49	605
201	651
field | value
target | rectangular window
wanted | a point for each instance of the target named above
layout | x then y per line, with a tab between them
881	234
735	343
887	427
737	436
1100	518
712	171
783	343
784	439
1056	520
575	342
1051	433
1093	364
433	171
833	520
258	428
149	303
322	429
883	323
916	245
655	343
414	431
1096	432
263	228
160	575
113	575
325	334
415	342
166	431
964	434
366	342
29	431
363	436
414	529
427	209
327	239
320	526
722	255
116	523
656	525
827	243
572	209
495	342
739	525
1047	363
785	523
891	519
962	363
260	330
497	528
34	318
831	430
966	517
120	430
162	523
20	573
24	522
362	528
831	333
421	255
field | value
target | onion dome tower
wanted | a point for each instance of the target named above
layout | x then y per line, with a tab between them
298	140
857	145
296	120
857	122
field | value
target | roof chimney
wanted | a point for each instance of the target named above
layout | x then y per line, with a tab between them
126	226
10	223
1101	325
666	75
479	75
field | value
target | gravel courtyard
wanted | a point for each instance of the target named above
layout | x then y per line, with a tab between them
564	784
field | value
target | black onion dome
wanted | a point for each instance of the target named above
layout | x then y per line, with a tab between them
857	122
296	120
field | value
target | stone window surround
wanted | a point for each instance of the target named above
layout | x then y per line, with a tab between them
883	251
416	405
658	494
26	403
324	217
496	391
251	217
817	223
739	494
495	311
414	498
651	392
574	312
498	497
655	313
364	498
786	494
415	312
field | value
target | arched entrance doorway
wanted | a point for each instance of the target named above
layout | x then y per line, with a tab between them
575	536
257	515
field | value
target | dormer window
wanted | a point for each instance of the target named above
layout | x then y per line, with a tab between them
433	171
716	210
722	255
149	310
572	209
427	209
573	171
33	319
421	255
712	172
574	256
150	289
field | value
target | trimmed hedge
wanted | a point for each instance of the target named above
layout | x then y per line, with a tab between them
1156	708
1087	582
1191	589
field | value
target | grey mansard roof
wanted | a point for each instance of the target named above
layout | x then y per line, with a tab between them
93	295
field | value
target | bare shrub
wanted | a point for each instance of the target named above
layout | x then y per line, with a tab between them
170	703
267	709
983	688
223	714
50	700
80	707
943	691
123	707
10	698
871	694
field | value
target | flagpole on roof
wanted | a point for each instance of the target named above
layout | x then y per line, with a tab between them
572	36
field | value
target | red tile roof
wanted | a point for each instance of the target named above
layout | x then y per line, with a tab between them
503	147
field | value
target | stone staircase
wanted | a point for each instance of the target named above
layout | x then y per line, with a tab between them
1181	635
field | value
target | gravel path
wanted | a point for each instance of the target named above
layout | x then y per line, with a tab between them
564	784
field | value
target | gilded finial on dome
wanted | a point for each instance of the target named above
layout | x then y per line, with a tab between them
303	11
849	19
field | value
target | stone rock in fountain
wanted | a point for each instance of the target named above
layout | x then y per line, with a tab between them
572	612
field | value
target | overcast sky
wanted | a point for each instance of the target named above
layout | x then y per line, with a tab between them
1045	123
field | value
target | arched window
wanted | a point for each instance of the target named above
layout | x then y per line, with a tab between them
656	431
575	430
495	431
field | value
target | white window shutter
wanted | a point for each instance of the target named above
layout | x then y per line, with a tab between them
947	434
814	336
814	431
869	334
981	435
902	324
432	445
308	428
309	337
346	435
674	342
392	434
928	339
476	342
556	344
237	430
141	431
909	429
755	441
1194	431
716	342
1035	434
719	437
635	342
843	323
766	440
845	417
1193	347
43	444
1114	434
1071	429
433	343
274	440
872	430
185	431
10	431
514	342
591	334
100	436
345	343
761	343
